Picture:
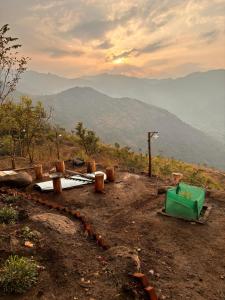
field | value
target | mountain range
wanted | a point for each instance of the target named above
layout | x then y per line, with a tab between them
127	121
198	99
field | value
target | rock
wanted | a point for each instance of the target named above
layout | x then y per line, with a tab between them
58	223
14	244
123	252
18	180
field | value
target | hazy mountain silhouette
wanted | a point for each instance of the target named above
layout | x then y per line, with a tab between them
198	99
127	121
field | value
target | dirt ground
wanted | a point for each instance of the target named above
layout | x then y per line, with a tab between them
183	260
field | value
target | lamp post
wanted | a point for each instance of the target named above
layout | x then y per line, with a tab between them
155	135
57	143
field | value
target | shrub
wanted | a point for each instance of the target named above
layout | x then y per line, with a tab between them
87	138
28	235
18	274
8	215
10	198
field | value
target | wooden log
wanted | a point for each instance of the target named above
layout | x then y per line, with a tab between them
78	173
91	166
13	163
99	183
110	174
38	172
57	185
177	177
60	166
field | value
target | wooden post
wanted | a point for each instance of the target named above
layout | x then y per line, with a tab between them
110	174
38	172
177	177
150	135
13	163
99	183
91	166
57	184
149	155
60	166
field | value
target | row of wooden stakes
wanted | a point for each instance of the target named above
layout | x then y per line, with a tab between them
61	170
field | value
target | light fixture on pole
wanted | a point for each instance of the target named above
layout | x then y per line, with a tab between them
155	135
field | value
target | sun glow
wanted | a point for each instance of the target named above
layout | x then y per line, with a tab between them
118	61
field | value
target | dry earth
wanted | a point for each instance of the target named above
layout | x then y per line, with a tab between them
182	260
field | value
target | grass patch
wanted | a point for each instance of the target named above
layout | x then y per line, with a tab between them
18	274
8	215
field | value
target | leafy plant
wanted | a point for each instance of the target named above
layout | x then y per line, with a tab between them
28	235
8	215
18	274
10	198
88	139
11	65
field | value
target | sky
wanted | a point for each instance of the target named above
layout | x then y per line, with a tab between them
142	38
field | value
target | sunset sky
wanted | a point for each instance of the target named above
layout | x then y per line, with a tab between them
144	38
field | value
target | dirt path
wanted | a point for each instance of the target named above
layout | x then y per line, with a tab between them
182	260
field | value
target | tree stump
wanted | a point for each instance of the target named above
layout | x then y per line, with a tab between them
38	172
57	184
91	166
177	177
99	183
60	166
110	174
13	163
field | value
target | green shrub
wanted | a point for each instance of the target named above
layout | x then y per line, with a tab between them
10	198
8	215
28	235
18	274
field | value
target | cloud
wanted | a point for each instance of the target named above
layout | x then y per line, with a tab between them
209	36
57	53
97	28
155	46
123	54
105	45
87	35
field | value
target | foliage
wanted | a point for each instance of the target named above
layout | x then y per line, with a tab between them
8	215
11	66
18	274
8	199
88	139
28	235
24	124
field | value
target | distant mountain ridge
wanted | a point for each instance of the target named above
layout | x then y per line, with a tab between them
127	121
198	98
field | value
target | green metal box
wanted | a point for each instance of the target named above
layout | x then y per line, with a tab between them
187	203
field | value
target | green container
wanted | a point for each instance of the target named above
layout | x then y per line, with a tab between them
187	204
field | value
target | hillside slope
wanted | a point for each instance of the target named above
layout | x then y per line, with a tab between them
198	99
127	121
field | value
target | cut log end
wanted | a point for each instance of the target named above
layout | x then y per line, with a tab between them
99	183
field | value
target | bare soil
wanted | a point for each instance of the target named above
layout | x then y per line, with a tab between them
183	260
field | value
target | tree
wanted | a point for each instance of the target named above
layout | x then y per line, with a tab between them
11	65
26	125
88	139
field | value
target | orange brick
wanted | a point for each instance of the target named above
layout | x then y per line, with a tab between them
151	293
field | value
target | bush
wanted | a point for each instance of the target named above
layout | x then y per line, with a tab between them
28	235
8	215
10	198
18	274
87	139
